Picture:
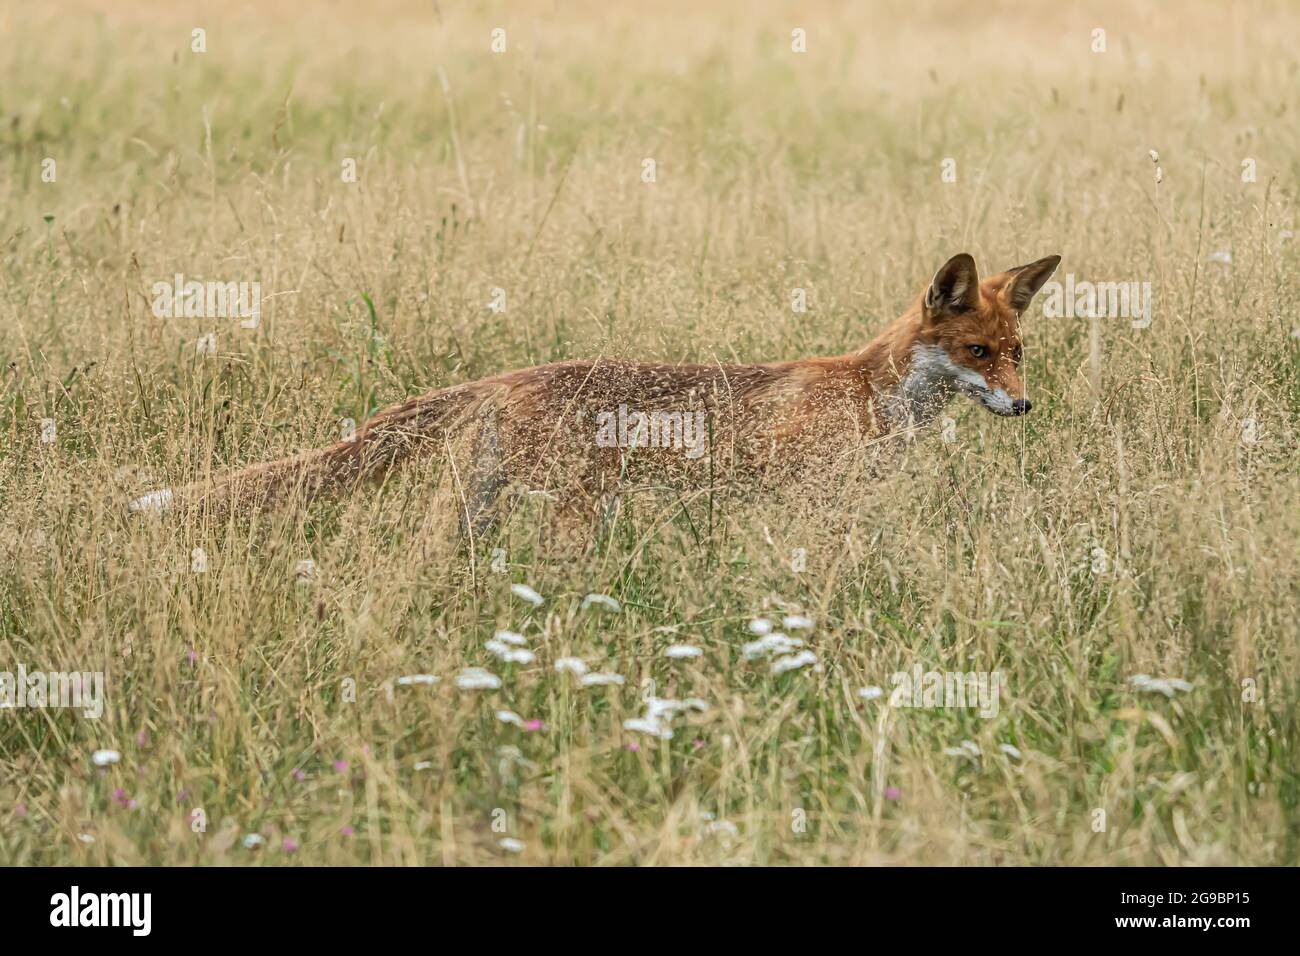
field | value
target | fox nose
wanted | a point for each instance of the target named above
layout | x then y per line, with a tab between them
1021	406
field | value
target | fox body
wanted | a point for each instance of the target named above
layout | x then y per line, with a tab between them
582	430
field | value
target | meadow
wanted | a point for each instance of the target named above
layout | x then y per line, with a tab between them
425	201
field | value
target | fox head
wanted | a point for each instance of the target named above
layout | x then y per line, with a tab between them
969	340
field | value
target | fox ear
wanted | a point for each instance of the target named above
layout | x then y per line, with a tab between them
955	288
1025	281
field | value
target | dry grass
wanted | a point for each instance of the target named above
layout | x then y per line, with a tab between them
775	170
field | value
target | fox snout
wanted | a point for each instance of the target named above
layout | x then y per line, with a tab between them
994	398
1008	390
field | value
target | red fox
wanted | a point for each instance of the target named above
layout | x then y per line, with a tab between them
582	430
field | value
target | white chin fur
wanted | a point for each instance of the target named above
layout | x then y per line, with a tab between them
998	402
931	379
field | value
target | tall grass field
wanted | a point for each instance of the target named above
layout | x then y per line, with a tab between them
420	194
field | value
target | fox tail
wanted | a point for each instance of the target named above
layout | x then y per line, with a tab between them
385	441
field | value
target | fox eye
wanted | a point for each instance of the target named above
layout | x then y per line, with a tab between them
978	351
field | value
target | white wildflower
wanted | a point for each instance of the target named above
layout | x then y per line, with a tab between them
793	662
476	678
572	665
596	680
724	827
657	707
511	655
1159	685
760	626
409	679
524	592
511	845
775	643
603	600
870	693
102	758
796	622
680	651
968	749
645	725
510	637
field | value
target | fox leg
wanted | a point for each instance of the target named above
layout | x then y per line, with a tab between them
589	504
485	479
